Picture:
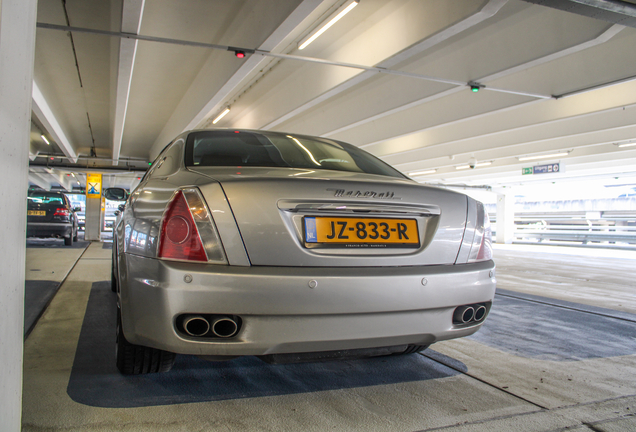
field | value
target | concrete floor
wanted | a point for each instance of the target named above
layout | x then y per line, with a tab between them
558	352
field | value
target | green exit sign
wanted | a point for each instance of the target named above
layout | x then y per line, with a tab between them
525	171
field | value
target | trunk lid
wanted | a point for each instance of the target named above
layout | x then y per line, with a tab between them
359	219
42	212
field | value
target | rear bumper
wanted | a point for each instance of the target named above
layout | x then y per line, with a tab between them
49	229
350	308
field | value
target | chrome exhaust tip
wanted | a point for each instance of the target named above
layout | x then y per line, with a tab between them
224	327
464	314
195	325
480	313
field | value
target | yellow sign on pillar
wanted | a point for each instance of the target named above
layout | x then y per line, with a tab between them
93	185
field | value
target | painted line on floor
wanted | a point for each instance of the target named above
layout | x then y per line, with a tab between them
39	315
553	410
623	316
482	421
592	425
37	295
465	372
541	409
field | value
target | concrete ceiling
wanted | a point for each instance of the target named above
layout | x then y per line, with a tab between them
393	77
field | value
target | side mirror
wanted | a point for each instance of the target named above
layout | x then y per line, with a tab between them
116	194
77	209
121	207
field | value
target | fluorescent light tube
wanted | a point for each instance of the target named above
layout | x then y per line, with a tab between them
334	18
419	173
45	140
627	145
553	155
223	114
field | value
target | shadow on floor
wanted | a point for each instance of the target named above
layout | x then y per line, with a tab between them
39	293
95	381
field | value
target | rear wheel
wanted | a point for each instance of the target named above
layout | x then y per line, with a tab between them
68	241
136	359
113	278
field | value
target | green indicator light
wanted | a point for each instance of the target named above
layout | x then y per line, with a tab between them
149	163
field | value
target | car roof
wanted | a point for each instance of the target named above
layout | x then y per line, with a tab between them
52	193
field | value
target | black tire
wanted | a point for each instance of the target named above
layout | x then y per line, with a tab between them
75	236
136	359
68	241
411	349
113	278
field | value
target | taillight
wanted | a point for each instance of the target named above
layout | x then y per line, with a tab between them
188	232
62	211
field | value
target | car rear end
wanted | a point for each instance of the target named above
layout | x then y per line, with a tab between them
48	215
253	260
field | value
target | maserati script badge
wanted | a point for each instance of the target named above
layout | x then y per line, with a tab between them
342	193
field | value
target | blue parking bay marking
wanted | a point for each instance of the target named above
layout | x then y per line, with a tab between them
95	380
524	325
588	332
311	236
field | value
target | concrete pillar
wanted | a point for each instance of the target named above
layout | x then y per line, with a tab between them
17	47
93	223
93	229
505	217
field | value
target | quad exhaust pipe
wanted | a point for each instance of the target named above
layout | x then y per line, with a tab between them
196	325
221	326
467	314
224	327
464	314
480	313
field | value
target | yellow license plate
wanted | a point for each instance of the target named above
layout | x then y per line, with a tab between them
361	232
36	213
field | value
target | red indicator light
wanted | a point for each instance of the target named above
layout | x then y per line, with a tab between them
61	211
236	132
239	54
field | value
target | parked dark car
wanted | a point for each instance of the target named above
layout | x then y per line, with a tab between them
50	214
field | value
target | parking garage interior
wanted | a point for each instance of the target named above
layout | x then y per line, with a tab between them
527	106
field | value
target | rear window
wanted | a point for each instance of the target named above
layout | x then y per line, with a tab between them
245	149
45	198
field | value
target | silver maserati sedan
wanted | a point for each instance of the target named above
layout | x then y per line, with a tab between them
292	248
